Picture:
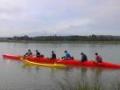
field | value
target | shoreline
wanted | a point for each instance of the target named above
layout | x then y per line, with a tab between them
53	41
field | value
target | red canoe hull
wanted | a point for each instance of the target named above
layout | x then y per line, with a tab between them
75	63
72	63
11	56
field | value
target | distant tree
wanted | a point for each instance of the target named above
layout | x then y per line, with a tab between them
93	36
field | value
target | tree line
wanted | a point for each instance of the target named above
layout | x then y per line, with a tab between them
63	38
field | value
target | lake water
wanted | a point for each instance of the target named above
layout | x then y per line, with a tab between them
15	76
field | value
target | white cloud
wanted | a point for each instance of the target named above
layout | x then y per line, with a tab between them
57	16
65	26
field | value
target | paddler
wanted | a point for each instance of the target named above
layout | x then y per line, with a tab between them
53	55
83	57
67	55
28	53
98	58
38	53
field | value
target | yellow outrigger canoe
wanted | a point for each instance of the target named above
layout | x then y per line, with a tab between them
54	65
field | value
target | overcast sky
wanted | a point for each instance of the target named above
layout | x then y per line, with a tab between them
60	17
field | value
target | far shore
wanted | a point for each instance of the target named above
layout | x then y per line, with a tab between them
103	39
70	42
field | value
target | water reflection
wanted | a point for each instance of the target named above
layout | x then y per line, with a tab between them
81	81
71	78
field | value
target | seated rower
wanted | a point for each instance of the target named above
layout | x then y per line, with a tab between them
53	56
28	53
98	58
67	55
38	53
83	57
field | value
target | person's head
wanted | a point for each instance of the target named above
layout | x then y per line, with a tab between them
65	51
82	53
29	50
36	50
96	53
52	51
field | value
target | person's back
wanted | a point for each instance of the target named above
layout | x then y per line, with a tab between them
67	55
37	53
29	53
83	58
98	58
53	55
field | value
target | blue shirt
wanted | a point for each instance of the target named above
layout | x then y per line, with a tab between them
67	55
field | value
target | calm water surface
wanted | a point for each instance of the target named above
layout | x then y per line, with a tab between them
15	76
